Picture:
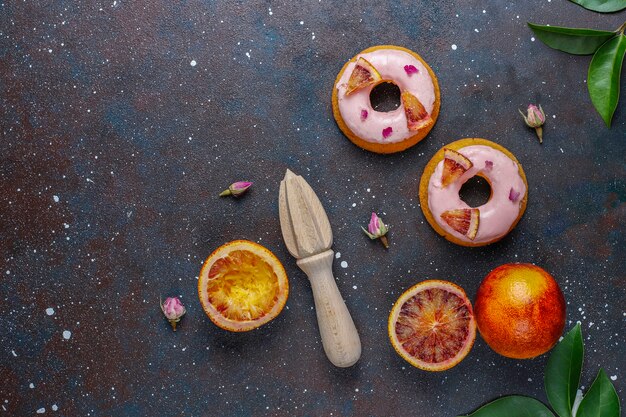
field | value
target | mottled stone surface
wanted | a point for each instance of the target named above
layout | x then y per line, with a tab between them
120	123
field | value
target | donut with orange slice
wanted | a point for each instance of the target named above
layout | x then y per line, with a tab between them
396	130
450	168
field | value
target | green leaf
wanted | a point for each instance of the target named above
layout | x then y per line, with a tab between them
571	40
563	370
513	406
602	6
603	77
601	399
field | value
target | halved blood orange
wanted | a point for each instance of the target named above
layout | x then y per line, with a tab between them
432	325
242	286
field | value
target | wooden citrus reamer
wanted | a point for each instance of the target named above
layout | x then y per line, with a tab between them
308	236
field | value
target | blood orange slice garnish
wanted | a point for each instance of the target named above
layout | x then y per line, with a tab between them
416	115
432	325
454	165
464	221
242	286
363	74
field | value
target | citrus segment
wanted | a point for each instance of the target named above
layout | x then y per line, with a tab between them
432	325
416	115
363	74
464	221
242	285
454	165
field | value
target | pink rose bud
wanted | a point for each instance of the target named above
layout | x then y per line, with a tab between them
535	118
236	189
376	229
173	310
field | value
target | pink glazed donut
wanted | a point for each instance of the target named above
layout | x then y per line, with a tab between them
446	173
396	130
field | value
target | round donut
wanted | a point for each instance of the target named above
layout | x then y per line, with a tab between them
446	173
397	130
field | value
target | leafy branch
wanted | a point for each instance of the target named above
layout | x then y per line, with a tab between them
608	49
561	381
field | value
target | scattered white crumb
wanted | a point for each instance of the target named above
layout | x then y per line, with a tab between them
338	255
453	47
49	311
613	377
532	39
31	385
193	63
344	264
41	410
55	407
67	334
354	287
55	198
14	354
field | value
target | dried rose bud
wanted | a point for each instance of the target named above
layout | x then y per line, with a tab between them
377	230
411	69
236	189
535	119
173	310
513	195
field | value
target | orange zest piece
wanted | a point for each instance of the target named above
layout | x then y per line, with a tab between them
416	115
464	221
363	74
454	165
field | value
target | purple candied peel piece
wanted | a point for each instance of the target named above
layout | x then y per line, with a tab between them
410	70
364	114
387	132
488	166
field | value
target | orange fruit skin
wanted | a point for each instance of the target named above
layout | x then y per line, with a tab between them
520	310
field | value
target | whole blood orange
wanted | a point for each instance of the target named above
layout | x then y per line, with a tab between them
432	325
520	310
242	285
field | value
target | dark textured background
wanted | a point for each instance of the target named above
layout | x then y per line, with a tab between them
102	110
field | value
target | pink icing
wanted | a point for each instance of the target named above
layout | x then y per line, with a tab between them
499	213
390	64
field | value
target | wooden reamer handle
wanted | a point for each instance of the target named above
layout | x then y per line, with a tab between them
339	336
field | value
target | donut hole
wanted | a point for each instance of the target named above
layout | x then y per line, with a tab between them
475	192
385	97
